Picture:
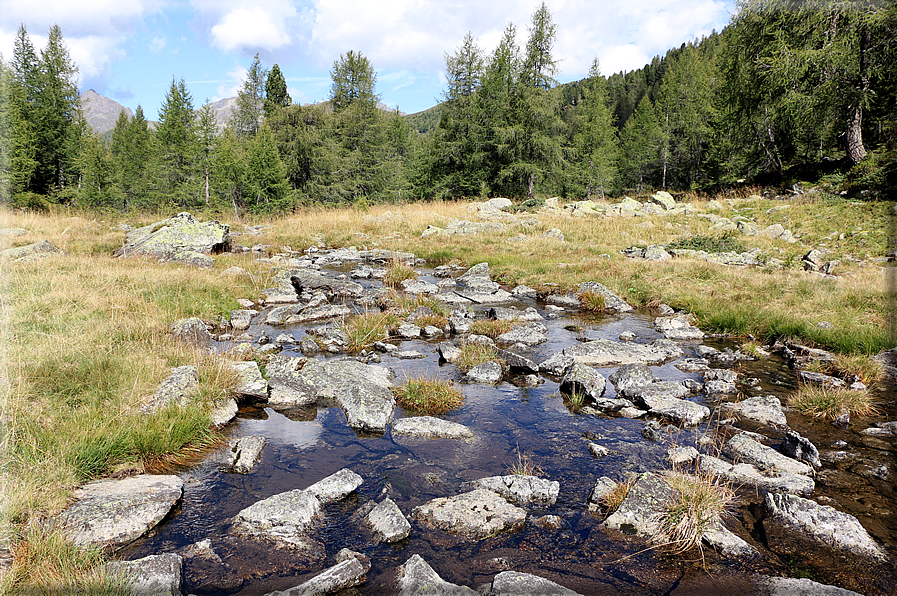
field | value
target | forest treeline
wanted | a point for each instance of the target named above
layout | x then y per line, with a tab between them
787	89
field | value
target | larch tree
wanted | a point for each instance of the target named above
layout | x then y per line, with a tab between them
276	94
250	108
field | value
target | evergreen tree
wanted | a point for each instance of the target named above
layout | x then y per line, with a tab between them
595	141
640	146
176	135
307	147
353	81
267	189
250	108
206	135
97	175
539	66
228	169
133	154
276	95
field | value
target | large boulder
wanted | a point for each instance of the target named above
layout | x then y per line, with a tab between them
519	489
761	409
793	523
180	238
287	385
583	380
361	390
474	515
158	575
114	513
31	252
742	448
602	353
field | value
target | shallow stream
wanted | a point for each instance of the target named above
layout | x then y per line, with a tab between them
513	423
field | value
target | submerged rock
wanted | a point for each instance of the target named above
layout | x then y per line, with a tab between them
350	571
474	515
245	452
519	489
417	578
113	513
793	523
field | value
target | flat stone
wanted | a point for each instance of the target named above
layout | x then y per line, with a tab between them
387	522
793	523
156	575
345	574
224	413
519	489
761	409
327	311
245	452
475	515
288	387
249	380
678	456
727	543
678	327
750	475
654	393
280	314
416	287
428	427
602	353
679	410
516	361
630	376
530	334
361	390
113	513
556	365
515	583
487	373
742	448
417	578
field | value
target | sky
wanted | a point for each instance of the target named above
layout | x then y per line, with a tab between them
131	50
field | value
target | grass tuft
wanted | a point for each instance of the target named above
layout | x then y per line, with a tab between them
474	354
612	500
491	327
366	329
697	503
397	272
524	466
831	403
592	301
428	396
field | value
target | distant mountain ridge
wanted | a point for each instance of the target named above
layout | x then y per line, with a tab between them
101	112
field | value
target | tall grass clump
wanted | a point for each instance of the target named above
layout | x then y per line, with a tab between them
491	327
397	272
367	329
592	302
474	354
695	506
428	395
612	499
831	403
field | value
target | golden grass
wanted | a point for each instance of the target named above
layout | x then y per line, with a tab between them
592	302
366	329
697	503
831	403
612	500
491	327
428	395
474	354
524	465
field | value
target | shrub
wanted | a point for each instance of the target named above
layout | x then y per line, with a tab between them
712	244
696	505
430	396
524	466
831	403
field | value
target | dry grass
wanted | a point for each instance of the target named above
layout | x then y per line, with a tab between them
831	403
524	465
846	366
397	272
428	395
474	354
491	327
612	500
698	502
592	302
366	329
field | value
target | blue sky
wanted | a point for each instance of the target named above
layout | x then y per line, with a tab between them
130	50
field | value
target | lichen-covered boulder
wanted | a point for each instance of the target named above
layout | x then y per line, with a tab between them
159	575
179	238
417	578
474	515
361	390
32	252
519	489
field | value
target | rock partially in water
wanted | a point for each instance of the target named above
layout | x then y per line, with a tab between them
529	334
318	313
603	486
645	395
156	575
487	373
474	515
350	571
113	513
303	280
766	410
631	376
286	517
742	448
428	427
417	578
583	380
361	390
800	448
789	586
749	475
288	387
250	381
793	523
224	413
676	410
678	327
519	489
516	361
612	302
557	364
387	522
638	513
603	353
515	583
245	452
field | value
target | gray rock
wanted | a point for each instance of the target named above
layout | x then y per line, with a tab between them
564	300
416	286
602	353
529	334
287	516
638	513
826	381
678	327
678	456
309	281
554	233
519	489
327	311
288	386
793	523
224	413
583	380
192	331
598	450
475	515
361	390
650	394
428	427
178	388
727	543
762	409
627	336
408	331
448	351
113	513
417	578
603	486
789	586
179	238
249	380
655	252
280	314
750	475
664	199
612	302
515	583
631	376
742	448
516	361
241	319
155	575
387	522
487	373
245	452
557	364
348	573
720	388
409	355
801	449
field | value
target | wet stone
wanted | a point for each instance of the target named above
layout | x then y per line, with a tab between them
428	427
519	489
515	583
474	515
742	448
583	380
347	573
387	522
245	452
637	514
602	487
417	578
761	409
487	373
749	475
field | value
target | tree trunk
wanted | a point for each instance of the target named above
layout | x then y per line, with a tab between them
855	150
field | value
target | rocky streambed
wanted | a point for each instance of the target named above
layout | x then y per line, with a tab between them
327	485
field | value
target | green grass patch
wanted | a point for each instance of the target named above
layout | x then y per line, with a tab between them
428	396
474	354
711	244
831	403
491	327
397	272
592	302
366	329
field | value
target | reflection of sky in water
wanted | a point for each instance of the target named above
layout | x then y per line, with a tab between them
280	429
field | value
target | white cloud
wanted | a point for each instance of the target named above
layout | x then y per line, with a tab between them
157	44
249	28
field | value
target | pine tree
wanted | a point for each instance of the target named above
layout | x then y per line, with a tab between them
353	80
97	175
228	170
250	108
266	185
276	95
176	134
640	146
595	141
206	135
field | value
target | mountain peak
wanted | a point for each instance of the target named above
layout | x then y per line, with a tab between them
101	112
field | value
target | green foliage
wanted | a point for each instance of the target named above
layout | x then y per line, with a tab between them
428	396
267	190
176	135
276	95
353	81
712	244
247	116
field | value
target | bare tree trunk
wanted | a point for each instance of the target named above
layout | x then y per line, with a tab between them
855	150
